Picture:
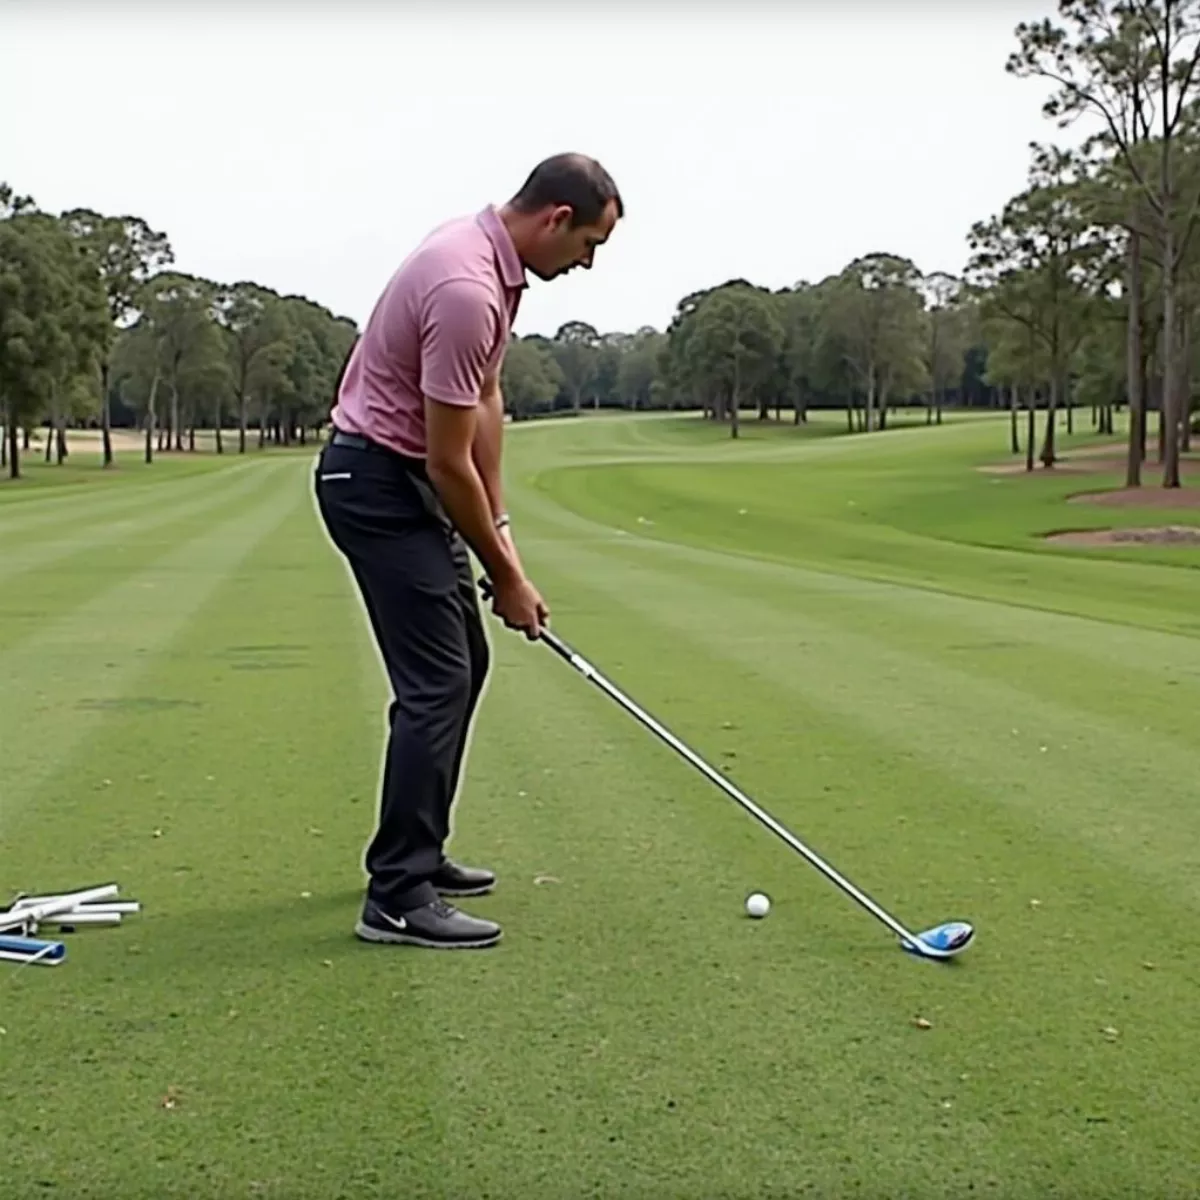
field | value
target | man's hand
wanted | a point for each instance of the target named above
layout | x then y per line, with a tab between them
519	606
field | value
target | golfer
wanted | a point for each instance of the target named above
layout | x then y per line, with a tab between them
409	478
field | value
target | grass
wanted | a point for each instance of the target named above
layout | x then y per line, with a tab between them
970	724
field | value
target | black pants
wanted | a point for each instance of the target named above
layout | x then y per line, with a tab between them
415	578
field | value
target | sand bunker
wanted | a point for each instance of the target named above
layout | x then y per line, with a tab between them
1143	497
1161	535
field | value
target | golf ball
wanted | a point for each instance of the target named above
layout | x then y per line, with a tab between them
757	905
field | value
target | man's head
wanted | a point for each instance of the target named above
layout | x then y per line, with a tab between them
564	210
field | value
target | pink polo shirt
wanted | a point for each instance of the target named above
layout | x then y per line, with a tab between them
441	325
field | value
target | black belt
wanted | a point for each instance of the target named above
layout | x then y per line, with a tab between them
356	441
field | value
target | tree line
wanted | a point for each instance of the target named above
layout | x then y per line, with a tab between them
98	328
1081	292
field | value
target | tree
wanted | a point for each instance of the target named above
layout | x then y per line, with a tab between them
576	347
736	343
637	371
309	361
874	311
178	312
529	378
946	341
52	320
1034	265
124	252
1133	64
258	331
800	313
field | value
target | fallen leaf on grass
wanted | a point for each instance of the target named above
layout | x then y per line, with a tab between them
1110	1033
1148	966
921	1023
539	879
171	1099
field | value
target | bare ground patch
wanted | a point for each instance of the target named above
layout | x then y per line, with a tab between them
1088	465
1106	459
1161	535
1143	497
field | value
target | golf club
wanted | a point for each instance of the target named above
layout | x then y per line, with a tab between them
940	942
28	913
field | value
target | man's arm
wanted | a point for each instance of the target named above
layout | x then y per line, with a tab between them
486	452
459	329
486	448
451	432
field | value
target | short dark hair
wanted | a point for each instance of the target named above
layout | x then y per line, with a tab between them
572	179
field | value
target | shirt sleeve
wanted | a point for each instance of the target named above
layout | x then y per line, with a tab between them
459	325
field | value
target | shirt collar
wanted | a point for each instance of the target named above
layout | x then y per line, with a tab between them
512	271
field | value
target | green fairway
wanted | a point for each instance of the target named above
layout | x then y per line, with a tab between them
868	633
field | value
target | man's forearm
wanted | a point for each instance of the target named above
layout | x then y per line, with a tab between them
485	450
465	498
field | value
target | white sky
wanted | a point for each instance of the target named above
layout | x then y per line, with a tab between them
309	146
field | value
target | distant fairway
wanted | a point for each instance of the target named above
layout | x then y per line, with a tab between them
869	633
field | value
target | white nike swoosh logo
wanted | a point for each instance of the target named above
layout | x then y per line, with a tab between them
396	922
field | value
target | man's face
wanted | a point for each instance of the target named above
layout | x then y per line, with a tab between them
562	248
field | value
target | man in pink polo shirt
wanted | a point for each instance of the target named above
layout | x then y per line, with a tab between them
408	480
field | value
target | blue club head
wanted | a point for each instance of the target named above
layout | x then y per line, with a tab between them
942	941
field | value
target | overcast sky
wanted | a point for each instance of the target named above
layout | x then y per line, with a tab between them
309	146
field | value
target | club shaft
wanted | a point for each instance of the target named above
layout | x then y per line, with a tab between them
33	913
589	672
79	916
89	896
110	906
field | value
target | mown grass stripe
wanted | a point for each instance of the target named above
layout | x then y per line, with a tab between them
656	860
646	973
1079	782
22	513
55	685
159	506
240	985
1073	658
609	1045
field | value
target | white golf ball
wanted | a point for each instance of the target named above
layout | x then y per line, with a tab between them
757	905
